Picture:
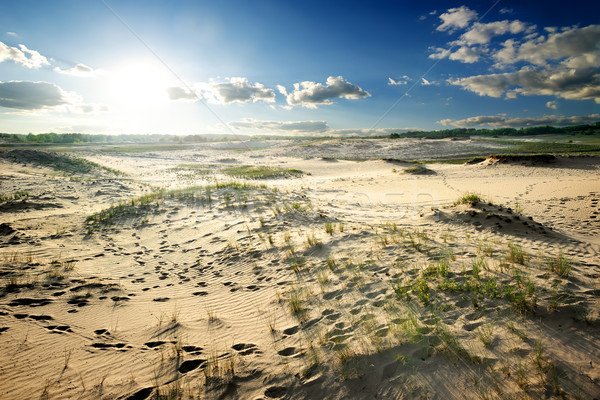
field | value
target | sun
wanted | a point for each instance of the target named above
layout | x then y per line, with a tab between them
140	84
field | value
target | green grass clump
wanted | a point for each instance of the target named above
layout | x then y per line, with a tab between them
417	169
560	265
14	196
129	208
469	198
517	255
144	204
261	172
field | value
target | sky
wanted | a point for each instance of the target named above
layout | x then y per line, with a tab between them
296	68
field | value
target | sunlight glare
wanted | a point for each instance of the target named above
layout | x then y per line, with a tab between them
139	85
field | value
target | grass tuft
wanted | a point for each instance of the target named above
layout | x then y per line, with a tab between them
469	198
261	172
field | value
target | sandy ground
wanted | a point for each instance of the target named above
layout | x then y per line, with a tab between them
356	280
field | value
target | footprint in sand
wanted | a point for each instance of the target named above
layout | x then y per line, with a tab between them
141	394
275	392
291	331
41	317
290	352
156	343
195	350
25	301
59	328
190	365
245	349
161	299
106	346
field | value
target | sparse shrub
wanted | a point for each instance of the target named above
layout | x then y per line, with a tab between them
329	228
560	265
331	263
469	198
485	333
517	255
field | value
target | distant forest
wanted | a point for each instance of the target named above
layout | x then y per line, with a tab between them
81	138
536	130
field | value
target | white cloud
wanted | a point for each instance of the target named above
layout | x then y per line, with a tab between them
310	94
11	33
481	33
179	93
285	126
464	54
579	46
80	70
237	90
552	105
456	18
403	80
503	121
27	95
282	90
439	53
307	128
473	44
467	55
572	84
506	11
22	55
233	90
425	82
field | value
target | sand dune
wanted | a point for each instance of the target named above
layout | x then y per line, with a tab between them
355	280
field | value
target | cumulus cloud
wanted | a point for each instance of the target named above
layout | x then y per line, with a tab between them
504	121
233	90
464	54
80	70
456	18
310	94
552	105
30	96
439	53
473	43
237	90
282	90
562	63
425	82
467	54
404	79
579	47
22	55
481	33
179	93
308	127
571	84
285	126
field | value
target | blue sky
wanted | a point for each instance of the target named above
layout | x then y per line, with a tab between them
276	67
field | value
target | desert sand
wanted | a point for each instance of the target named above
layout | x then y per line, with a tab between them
353	280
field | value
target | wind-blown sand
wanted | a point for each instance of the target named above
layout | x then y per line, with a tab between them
356	280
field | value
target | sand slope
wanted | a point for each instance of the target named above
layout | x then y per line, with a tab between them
355	281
